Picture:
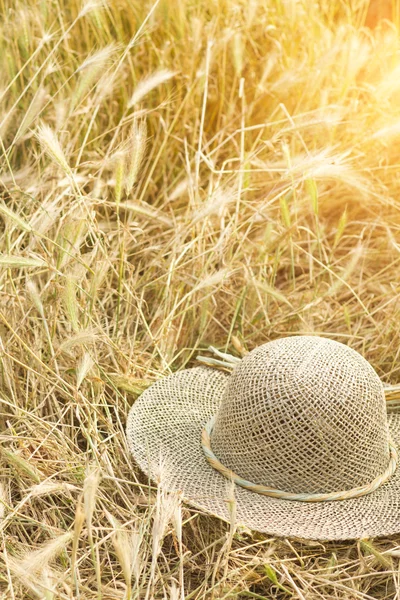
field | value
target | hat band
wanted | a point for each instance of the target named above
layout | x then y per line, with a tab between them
274	493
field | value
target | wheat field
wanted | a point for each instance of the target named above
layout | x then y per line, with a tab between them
175	174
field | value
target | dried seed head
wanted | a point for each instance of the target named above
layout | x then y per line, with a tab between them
90	487
148	84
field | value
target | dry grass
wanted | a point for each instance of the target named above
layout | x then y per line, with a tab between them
173	175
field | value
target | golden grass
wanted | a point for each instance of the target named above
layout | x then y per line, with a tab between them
176	174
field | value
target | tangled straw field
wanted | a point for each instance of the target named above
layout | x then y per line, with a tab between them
175	174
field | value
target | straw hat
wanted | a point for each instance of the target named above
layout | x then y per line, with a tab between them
297	429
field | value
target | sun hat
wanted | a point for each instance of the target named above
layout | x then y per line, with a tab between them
295	436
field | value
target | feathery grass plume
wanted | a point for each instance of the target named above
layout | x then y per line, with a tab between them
81	338
70	303
174	593
325	165
138	561
135	153
99	59
345	276
119	175
388	86
340	227
49	487
3	499
90	71
83	368
179	190
149	83
19	262
270	291
21	464
43	219
100	21
33	570
285	211
52	147
122	543
238	52
12	216
24	21
147	211
386	133
79	269
22	175
368	548
232	509
105	87
71	236
31	582
48	578
35	296
91	5
100	268
42	584
7	377
32	112
90	487
37	301
176	520
216	203
312	190
213	280
37	560
164	511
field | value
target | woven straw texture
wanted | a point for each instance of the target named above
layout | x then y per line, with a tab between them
303	414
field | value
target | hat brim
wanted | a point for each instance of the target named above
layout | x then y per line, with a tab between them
164	433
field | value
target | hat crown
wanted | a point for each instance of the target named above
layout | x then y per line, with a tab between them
305	415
